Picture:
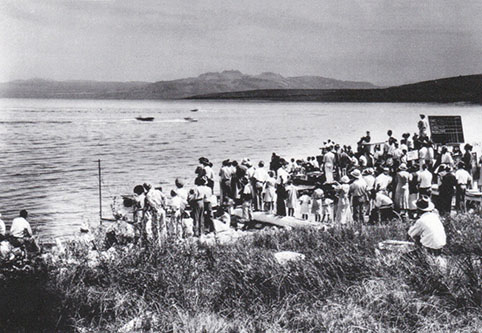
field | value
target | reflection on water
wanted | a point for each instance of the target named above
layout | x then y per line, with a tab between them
49	148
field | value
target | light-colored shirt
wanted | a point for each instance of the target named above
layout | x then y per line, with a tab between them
261	174
425	179
19	224
463	177
447	159
3	230
329	158
155	198
382	181
358	188
226	172
431	231
282	176
382	200
209	172
370	180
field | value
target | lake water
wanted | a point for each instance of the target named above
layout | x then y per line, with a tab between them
49	148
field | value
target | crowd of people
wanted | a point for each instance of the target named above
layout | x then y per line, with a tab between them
369	184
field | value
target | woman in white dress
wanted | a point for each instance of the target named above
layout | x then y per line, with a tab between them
402	192
343	210
270	193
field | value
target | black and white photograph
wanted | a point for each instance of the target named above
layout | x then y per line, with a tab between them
240	166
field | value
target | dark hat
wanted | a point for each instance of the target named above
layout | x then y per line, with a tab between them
424	204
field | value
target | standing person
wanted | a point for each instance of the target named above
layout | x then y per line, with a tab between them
428	231
480	174
464	180
208	169
343	211
305	201
259	179
3	229
327	209
292	198
446	157
446	191
225	174
270	193
317	203
281	196
176	205
344	162
425	181
196	202
329	165
247	200
413	186
155	213
140	223
359	194
180	190
383	180
402	192
467	158
422	127
275	164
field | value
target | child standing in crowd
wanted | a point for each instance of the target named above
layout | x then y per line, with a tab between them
327	209
316	207
305	201
292	198
247	199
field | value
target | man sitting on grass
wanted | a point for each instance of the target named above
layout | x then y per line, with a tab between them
428	231
21	233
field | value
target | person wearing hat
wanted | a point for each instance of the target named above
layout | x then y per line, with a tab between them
402	191
446	190
428	231
359	194
464	180
343	213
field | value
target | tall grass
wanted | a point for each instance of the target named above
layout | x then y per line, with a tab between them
343	284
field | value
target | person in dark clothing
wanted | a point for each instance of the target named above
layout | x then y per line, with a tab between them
282	195
467	158
446	191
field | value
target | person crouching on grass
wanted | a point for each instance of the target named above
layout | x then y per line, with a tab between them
428	231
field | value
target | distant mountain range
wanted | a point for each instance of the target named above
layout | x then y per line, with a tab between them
465	89
208	83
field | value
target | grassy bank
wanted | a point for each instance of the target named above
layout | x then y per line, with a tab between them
344	284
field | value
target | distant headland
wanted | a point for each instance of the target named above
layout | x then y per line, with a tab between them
234	85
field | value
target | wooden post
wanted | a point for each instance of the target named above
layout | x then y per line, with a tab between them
100	192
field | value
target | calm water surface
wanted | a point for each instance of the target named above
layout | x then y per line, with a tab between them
49	148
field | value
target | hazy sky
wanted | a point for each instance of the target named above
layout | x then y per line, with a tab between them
383	41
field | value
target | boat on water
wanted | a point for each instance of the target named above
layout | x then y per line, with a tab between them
145	118
194	110
192	120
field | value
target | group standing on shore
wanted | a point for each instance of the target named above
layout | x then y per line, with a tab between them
370	184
